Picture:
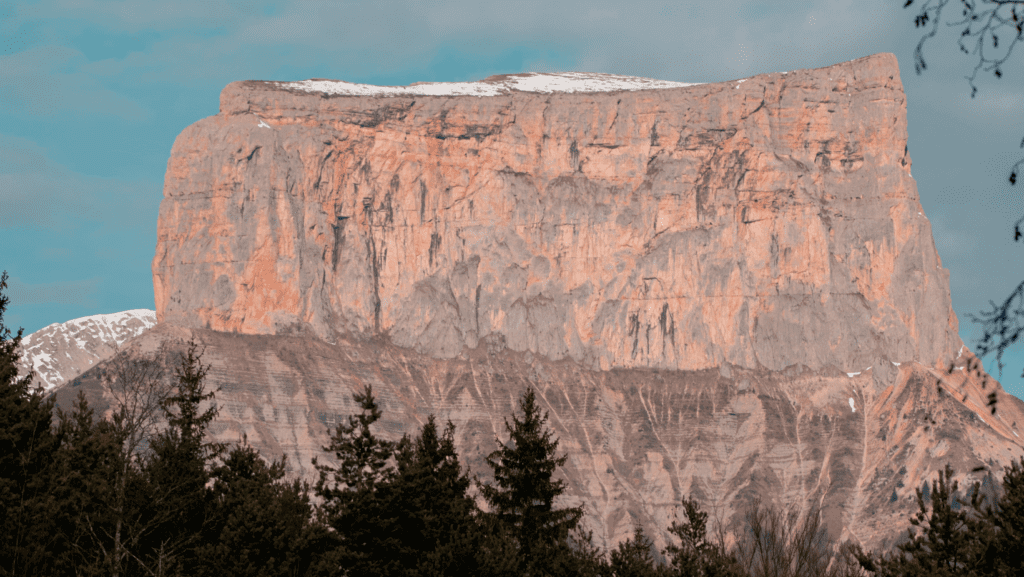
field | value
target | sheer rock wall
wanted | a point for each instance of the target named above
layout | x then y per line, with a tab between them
763	223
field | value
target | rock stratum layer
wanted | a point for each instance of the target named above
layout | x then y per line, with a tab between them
638	440
727	290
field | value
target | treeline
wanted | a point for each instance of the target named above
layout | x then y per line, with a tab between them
82	495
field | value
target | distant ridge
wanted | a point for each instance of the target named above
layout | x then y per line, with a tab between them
60	352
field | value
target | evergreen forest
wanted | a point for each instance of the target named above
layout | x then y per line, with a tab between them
145	492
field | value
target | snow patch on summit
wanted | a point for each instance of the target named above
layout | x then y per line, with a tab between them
60	352
493	86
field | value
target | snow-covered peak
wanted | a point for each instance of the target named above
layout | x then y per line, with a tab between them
493	86
60	352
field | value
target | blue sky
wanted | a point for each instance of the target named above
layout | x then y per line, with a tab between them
93	93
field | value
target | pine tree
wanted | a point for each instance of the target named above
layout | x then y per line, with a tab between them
257	524
86	469
948	543
524	490
353	496
952	540
579	557
497	553
178	470
634	557
697	555
28	443
428	497
1008	520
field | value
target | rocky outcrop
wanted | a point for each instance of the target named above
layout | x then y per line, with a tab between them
764	223
726	290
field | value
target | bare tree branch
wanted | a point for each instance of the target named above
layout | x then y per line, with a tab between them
989	29
1003	325
139	389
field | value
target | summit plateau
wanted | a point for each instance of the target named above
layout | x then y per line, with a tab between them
728	290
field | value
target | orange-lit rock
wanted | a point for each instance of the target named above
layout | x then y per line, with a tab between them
764	223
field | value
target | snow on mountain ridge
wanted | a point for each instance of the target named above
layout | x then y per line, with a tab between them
492	86
59	352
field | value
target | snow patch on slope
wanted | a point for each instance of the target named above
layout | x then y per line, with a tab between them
493	86
60	352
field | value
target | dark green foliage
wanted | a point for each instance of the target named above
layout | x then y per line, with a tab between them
579	557
398	508
522	496
28	444
362	457
949	538
177	472
186	424
497	553
634	557
953	537
428	498
85	475
257	524
354	496
1007	519
696	555
96	497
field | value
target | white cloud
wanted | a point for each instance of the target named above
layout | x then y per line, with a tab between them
657	38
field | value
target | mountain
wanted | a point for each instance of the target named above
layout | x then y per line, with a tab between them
723	290
58	353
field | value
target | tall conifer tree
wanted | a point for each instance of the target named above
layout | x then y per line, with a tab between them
353	504
428	497
86	472
634	557
28	444
257	525
524	490
1007	518
178	470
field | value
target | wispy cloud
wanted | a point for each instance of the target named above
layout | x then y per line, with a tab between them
49	81
81	292
659	38
35	191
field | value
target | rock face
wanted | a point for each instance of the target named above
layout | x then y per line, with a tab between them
763	223
58	353
726	290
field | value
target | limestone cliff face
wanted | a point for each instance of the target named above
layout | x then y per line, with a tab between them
765	223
